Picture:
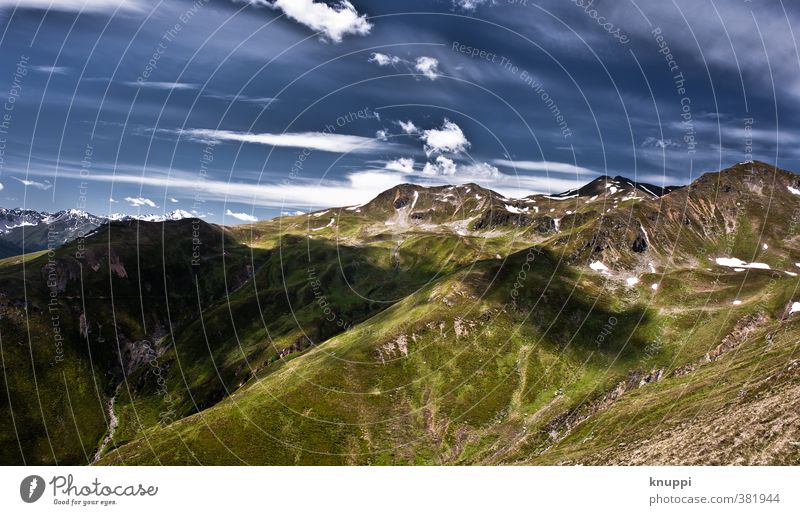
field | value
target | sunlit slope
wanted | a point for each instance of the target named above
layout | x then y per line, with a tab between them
458	373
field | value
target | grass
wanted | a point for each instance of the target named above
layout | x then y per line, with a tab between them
373	344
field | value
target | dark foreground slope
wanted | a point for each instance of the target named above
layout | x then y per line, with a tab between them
77	321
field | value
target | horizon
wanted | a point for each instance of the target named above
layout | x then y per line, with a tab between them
116	216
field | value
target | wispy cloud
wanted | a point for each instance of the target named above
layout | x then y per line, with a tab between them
51	70
167	86
262	101
326	142
544	166
75	5
46	185
244	217
357	188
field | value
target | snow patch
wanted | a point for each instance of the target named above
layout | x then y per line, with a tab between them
738	263
795	307
648	191
330	224
598	266
560	198
794	190
730	262
512	209
632	281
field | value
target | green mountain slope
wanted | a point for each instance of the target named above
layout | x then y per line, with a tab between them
444	325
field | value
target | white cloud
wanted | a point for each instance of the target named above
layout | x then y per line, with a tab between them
140	201
358	188
403	165
334	21
75	5
408	127
651	142
450	138
173	200
322	141
227	97
111	200
471	5
1	186
381	135
244	217
427	66
383	59
162	85
544	166
443	166
479	171
44	186
659	179
50	70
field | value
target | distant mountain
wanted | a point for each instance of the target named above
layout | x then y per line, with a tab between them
26	230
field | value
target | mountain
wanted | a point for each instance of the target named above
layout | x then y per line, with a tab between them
26	230
445	325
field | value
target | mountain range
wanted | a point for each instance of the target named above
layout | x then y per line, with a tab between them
618	323
27	230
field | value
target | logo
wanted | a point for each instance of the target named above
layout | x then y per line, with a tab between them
31	488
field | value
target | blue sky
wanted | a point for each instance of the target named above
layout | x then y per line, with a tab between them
242	110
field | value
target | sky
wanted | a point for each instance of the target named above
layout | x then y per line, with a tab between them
244	110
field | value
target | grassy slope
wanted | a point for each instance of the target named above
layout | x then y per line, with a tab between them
440	366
